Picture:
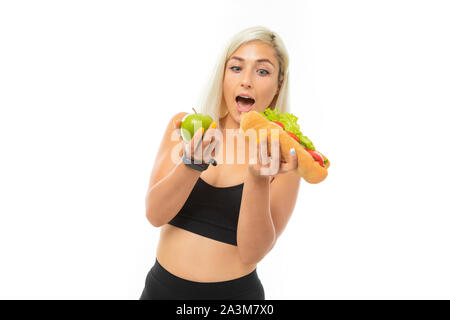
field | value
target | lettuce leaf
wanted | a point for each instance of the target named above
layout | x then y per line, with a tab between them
290	124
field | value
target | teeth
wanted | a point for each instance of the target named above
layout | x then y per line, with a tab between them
245	97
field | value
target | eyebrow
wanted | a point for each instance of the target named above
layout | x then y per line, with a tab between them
259	60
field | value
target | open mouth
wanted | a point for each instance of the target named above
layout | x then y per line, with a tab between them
244	104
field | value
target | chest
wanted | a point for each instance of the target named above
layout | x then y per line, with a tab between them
224	175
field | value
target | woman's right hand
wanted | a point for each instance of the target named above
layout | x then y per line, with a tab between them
202	147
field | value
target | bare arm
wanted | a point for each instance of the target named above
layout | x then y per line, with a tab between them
256	231
165	199
266	207
171	180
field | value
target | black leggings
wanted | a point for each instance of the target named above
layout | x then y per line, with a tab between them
161	284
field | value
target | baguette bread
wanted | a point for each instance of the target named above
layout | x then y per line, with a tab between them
307	168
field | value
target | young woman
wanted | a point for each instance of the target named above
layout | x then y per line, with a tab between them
217	222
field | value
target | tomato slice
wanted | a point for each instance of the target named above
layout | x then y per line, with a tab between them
293	136
324	158
278	123
317	157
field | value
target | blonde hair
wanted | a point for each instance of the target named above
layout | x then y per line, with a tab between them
211	97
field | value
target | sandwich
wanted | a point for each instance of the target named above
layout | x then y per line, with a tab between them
312	164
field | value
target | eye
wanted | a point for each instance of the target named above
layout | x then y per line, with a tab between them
265	71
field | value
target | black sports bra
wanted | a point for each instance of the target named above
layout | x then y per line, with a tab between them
212	212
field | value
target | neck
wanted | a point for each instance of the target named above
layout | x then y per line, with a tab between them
228	122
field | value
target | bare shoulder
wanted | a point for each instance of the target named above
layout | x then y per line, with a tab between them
179	116
171	131
172	135
170	150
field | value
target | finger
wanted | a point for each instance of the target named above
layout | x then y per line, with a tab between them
211	140
253	152
258	152
210	131
264	159
210	145
274	155
195	142
208	152
263	148
176	123
198	138
292	163
208	136
213	125
275	148
218	145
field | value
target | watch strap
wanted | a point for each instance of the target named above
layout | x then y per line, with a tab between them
188	162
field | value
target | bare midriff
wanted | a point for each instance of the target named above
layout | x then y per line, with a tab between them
197	258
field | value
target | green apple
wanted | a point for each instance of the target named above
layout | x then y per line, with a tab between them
193	122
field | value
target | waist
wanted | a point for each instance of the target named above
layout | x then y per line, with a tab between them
197	258
246	287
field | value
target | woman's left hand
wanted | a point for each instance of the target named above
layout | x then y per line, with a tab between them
271	166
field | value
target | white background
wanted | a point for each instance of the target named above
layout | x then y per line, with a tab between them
87	88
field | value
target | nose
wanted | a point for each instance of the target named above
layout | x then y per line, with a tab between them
246	81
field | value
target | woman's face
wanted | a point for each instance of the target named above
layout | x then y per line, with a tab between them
244	74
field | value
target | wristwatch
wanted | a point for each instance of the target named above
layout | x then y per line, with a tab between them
201	166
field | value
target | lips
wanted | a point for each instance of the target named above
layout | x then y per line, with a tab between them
244	104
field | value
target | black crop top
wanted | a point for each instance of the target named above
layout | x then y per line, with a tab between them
212	212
